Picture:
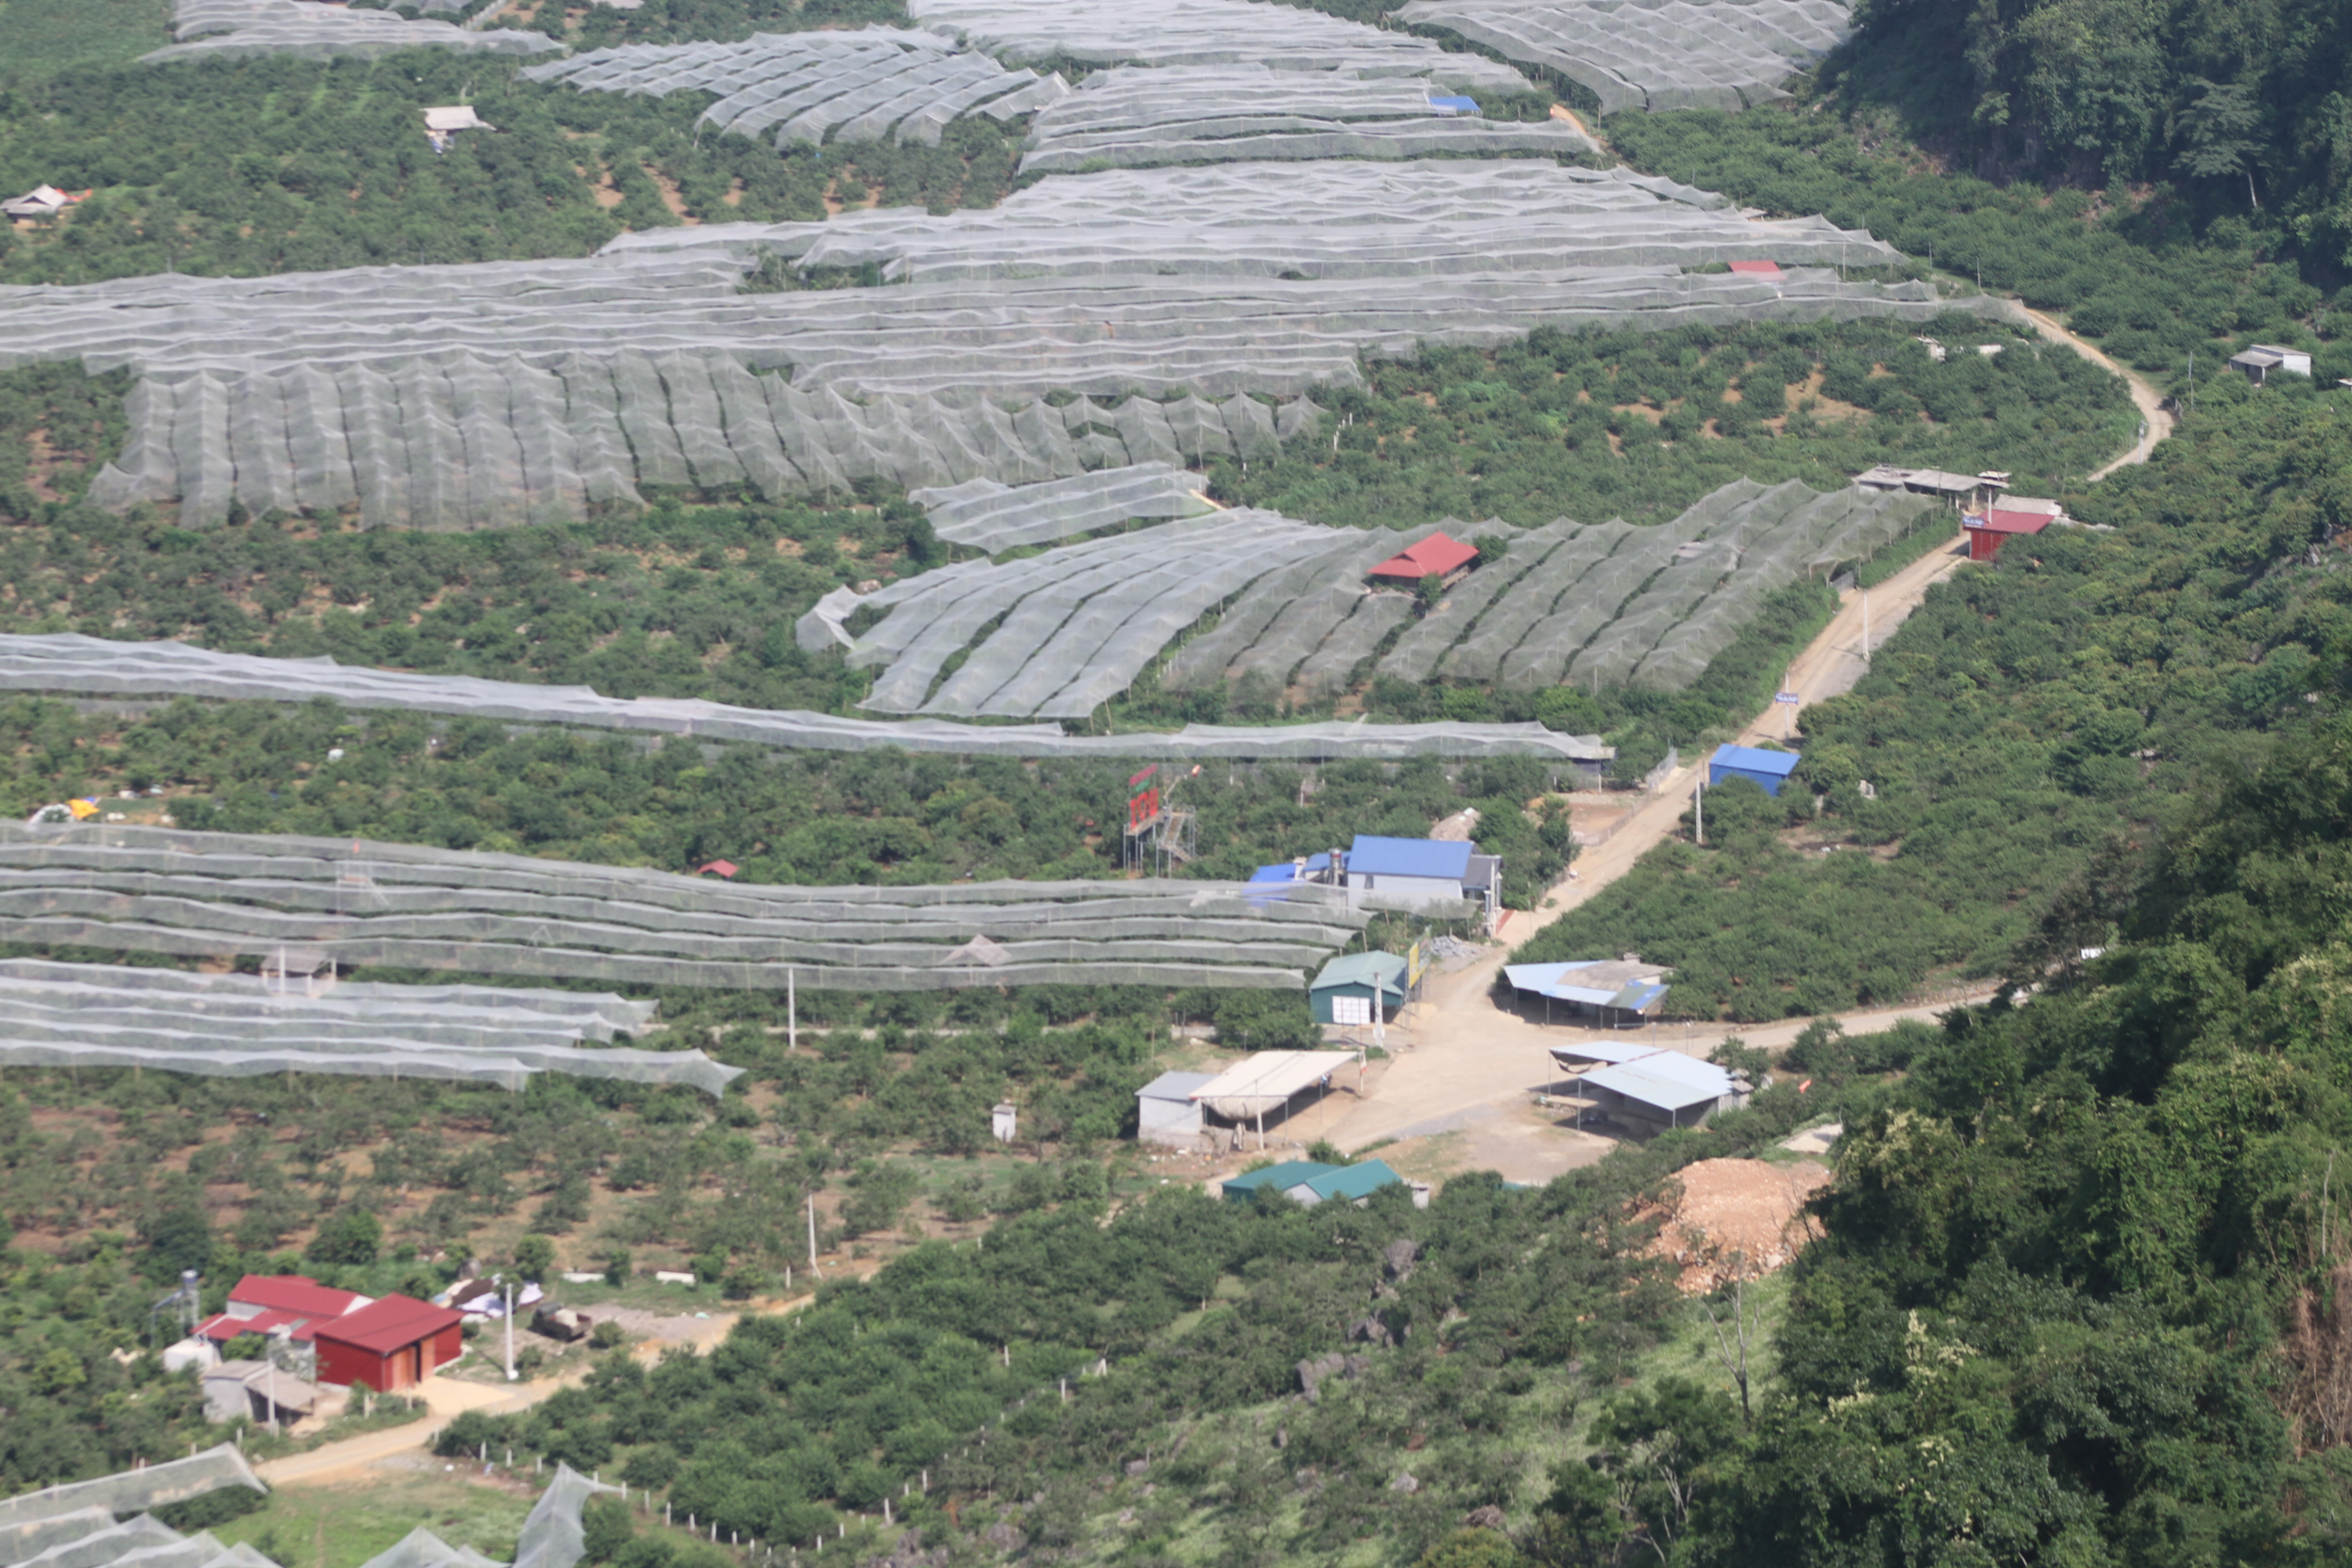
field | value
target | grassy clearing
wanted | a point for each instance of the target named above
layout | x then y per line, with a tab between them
343	1526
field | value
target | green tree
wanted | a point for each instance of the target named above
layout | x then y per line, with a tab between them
534	1257
2217	134
353	1235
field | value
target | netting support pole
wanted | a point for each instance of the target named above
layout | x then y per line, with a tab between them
791	1013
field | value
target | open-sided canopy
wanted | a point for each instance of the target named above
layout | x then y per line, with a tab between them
1267	1080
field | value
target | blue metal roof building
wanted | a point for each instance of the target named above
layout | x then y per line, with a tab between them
1308	1183
1769	770
1620	994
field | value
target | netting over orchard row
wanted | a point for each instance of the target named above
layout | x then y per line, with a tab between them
463	440
1137	118
877	84
68	663
81	1525
231	1026
1204	32
996	517
1611	604
352	903
1344	218
1654	54
439	397
1061	633
221	28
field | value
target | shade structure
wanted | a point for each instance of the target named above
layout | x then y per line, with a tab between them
231	28
355	903
67	662
1268	1082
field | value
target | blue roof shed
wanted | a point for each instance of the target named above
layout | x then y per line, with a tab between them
1769	770
1438	858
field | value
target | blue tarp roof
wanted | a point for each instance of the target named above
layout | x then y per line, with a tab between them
1748	760
1287	871
1434	857
1454	105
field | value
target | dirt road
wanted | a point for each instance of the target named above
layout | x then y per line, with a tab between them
1465	1054
447	1398
2156	420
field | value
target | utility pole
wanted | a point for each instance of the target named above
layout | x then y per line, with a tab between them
812	1224
1698	808
511	1371
791	1014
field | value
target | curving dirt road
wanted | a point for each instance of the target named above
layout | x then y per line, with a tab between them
2156	420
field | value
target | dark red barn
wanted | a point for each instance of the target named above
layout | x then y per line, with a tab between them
395	1344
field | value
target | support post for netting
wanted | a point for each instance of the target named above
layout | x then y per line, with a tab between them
812	1225
791	1013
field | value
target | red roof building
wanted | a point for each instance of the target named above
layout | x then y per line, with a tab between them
1990	528
394	1343
716	869
264	1303
1757	268
1436	556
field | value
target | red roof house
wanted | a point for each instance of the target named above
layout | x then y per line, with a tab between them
716	869
1759	269
391	1344
1990	529
264	1303
1436	556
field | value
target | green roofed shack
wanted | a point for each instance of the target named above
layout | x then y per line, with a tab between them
1369	978
1243	1189
1310	1183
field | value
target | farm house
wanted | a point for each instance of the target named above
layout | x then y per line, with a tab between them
1987	531
1447	560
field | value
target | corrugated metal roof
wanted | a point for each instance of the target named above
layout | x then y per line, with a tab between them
1667	1079
1436	555
1434	858
1174	1086
1281	1178
391	1324
2003	520
295	1293
1267	1080
1748	759
1588	1053
1382	969
1760	268
1349	1182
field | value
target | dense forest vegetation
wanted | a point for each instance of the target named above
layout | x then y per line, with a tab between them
2026	719
2239	107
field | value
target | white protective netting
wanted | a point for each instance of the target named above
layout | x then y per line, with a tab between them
1204	32
1654	54
1340	219
228	1025
350	902
74	1526
1067	629
1614	604
70	663
1137	118
870	84
134	1491
996	517
551	1535
311	30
